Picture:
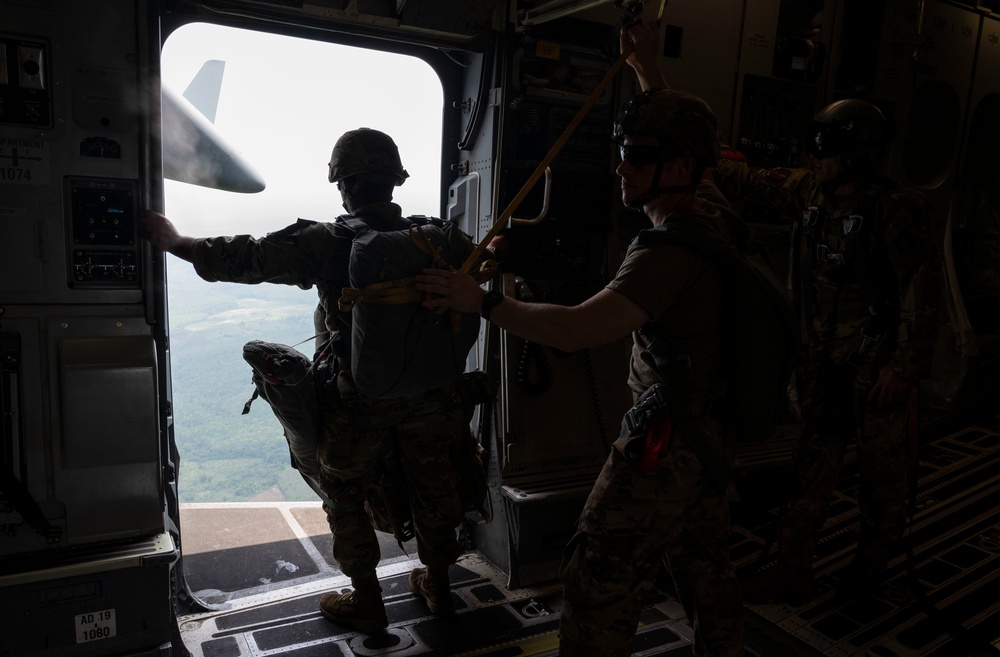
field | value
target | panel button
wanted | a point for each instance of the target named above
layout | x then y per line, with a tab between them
32	72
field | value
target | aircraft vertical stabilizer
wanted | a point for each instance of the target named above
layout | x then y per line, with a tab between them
203	91
193	150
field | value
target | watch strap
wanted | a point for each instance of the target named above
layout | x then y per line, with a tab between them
491	299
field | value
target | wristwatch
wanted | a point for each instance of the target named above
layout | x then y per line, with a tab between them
491	299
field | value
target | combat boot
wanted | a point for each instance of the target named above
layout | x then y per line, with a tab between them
361	608
793	586
433	586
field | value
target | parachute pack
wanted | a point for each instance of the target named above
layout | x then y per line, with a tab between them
398	347
761	328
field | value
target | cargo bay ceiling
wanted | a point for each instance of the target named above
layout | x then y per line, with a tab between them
463	25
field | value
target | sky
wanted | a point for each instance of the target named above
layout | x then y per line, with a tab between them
283	104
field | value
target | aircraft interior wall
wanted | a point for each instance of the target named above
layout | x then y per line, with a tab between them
926	65
766	67
82	494
74	311
982	135
557	413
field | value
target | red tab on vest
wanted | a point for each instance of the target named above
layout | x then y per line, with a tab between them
657	440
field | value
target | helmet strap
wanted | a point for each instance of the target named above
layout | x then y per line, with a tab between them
363	189
649	194
655	191
346	195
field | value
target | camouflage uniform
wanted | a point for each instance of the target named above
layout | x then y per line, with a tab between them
359	431
427	430
635	516
903	257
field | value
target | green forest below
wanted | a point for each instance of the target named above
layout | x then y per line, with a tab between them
226	456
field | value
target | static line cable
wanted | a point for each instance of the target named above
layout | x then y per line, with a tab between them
546	161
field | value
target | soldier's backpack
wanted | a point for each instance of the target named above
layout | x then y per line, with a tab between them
761	330
398	347
286	379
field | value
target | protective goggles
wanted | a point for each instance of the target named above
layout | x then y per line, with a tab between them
627	115
824	141
640	154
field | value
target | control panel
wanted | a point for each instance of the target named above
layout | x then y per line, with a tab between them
25	97
103	229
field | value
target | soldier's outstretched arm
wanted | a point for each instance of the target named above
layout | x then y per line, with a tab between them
644	39
605	317
162	234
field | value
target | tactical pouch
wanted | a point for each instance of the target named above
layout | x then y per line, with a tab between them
475	388
469	461
387	501
325	369
651	407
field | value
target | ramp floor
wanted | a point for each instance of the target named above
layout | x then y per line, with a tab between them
256	572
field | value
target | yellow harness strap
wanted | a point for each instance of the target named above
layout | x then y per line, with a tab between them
404	290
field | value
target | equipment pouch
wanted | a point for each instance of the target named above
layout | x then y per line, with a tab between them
387	501
657	442
651	407
469	460
325	370
475	388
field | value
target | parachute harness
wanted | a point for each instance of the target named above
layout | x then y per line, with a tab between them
404	290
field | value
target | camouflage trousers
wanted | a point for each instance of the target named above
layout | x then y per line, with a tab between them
631	522
836	413
358	432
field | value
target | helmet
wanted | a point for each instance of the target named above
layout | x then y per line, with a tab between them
366	151
856	131
683	123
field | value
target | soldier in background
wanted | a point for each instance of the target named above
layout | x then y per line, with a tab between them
870	286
